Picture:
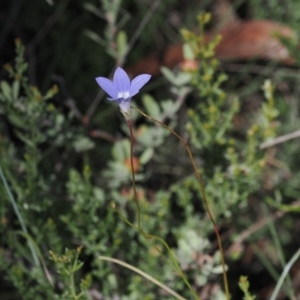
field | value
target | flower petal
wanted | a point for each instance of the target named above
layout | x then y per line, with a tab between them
137	83
107	86
121	81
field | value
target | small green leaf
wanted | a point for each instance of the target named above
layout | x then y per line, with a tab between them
78	266
6	90
170	107
112	52
182	79
115	5
16	120
217	269
121	150
146	155
95	37
152	108
126	148
99	194
94	10
16	89
83	144
117	152
23	67
25	139
64	272
188	52
201	280
144	137
121	43
168	74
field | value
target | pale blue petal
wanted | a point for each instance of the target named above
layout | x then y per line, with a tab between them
107	86
121	81
137	83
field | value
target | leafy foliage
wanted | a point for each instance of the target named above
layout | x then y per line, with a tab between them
75	192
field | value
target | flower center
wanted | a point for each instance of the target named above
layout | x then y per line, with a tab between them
124	95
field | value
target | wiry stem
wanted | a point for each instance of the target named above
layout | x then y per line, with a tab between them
199	178
129	123
146	235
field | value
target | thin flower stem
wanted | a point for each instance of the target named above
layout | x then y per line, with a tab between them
173	258
146	235
149	237
141	26
133	174
72	284
199	178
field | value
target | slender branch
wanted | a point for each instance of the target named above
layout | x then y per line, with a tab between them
280	139
96	133
203	195
10	21
48	25
95	102
141	26
252	229
146	235
69	101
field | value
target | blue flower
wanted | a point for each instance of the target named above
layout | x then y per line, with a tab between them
121	89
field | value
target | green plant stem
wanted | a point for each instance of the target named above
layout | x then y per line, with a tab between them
72	284
225	280
147	236
145	275
19	216
39	254
173	258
